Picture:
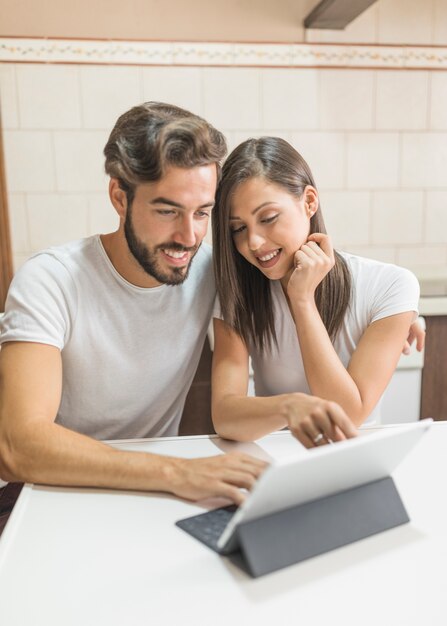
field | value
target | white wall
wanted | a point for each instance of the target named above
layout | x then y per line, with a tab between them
376	139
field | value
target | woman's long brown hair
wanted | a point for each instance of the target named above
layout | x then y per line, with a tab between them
244	291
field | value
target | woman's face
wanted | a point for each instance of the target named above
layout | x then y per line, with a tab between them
269	225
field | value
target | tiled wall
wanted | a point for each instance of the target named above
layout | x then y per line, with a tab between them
375	139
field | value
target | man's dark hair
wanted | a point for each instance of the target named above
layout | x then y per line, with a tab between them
153	136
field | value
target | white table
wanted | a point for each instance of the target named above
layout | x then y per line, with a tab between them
94	557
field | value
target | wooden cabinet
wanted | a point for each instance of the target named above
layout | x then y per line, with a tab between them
434	374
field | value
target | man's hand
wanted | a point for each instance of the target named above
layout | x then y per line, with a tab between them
315	422
222	475
417	333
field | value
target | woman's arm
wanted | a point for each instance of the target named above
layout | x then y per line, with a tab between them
359	387
236	416
242	418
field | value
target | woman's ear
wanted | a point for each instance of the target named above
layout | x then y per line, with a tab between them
311	200
118	198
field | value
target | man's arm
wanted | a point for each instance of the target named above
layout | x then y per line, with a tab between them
33	448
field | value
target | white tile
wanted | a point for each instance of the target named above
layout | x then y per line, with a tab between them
438	101
181	86
347	217
289	98
80	160
440	23
238	137
401	100
29	161
19	259
209	235
422	256
55	219
361	30
107	92
397	217
9	107
379	253
373	160
102	216
424	160
346	99
436	217
232	98
405	21
325	155
235	138
48	96
18	222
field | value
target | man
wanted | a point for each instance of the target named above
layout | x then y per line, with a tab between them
101	337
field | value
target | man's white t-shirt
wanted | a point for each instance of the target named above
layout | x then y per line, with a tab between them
378	290
129	354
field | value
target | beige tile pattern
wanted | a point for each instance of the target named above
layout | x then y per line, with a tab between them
289	98
29	161
231	98
436	217
438	100
8	96
106	92
48	96
379	253
397	217
325	155
18	223
347	215
79	160
373	160
422	256
402	100
375	140
346	99
56	218
424	160
102	217
177	85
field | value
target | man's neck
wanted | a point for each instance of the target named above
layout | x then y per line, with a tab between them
116	248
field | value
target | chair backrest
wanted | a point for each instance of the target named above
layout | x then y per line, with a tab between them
196	418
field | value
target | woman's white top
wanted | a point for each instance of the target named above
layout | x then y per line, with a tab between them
378	290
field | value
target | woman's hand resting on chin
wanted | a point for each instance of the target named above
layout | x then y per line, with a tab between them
313	261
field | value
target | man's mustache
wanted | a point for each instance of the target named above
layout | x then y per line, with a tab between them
176	247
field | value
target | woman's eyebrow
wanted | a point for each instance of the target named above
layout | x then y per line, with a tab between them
255	210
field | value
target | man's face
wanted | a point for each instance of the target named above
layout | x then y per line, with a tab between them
168	220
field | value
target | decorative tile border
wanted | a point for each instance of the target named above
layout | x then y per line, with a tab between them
221	54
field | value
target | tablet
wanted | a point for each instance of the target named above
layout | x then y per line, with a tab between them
321	472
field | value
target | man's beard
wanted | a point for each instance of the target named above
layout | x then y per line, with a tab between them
147	259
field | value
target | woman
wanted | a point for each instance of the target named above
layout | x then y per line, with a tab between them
324	329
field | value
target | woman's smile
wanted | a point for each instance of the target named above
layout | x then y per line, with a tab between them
268	259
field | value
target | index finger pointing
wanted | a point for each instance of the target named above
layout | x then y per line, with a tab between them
340	419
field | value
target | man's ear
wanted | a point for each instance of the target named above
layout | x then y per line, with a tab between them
311	200
118	198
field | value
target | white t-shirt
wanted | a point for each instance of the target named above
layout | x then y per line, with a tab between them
378	290
129	354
